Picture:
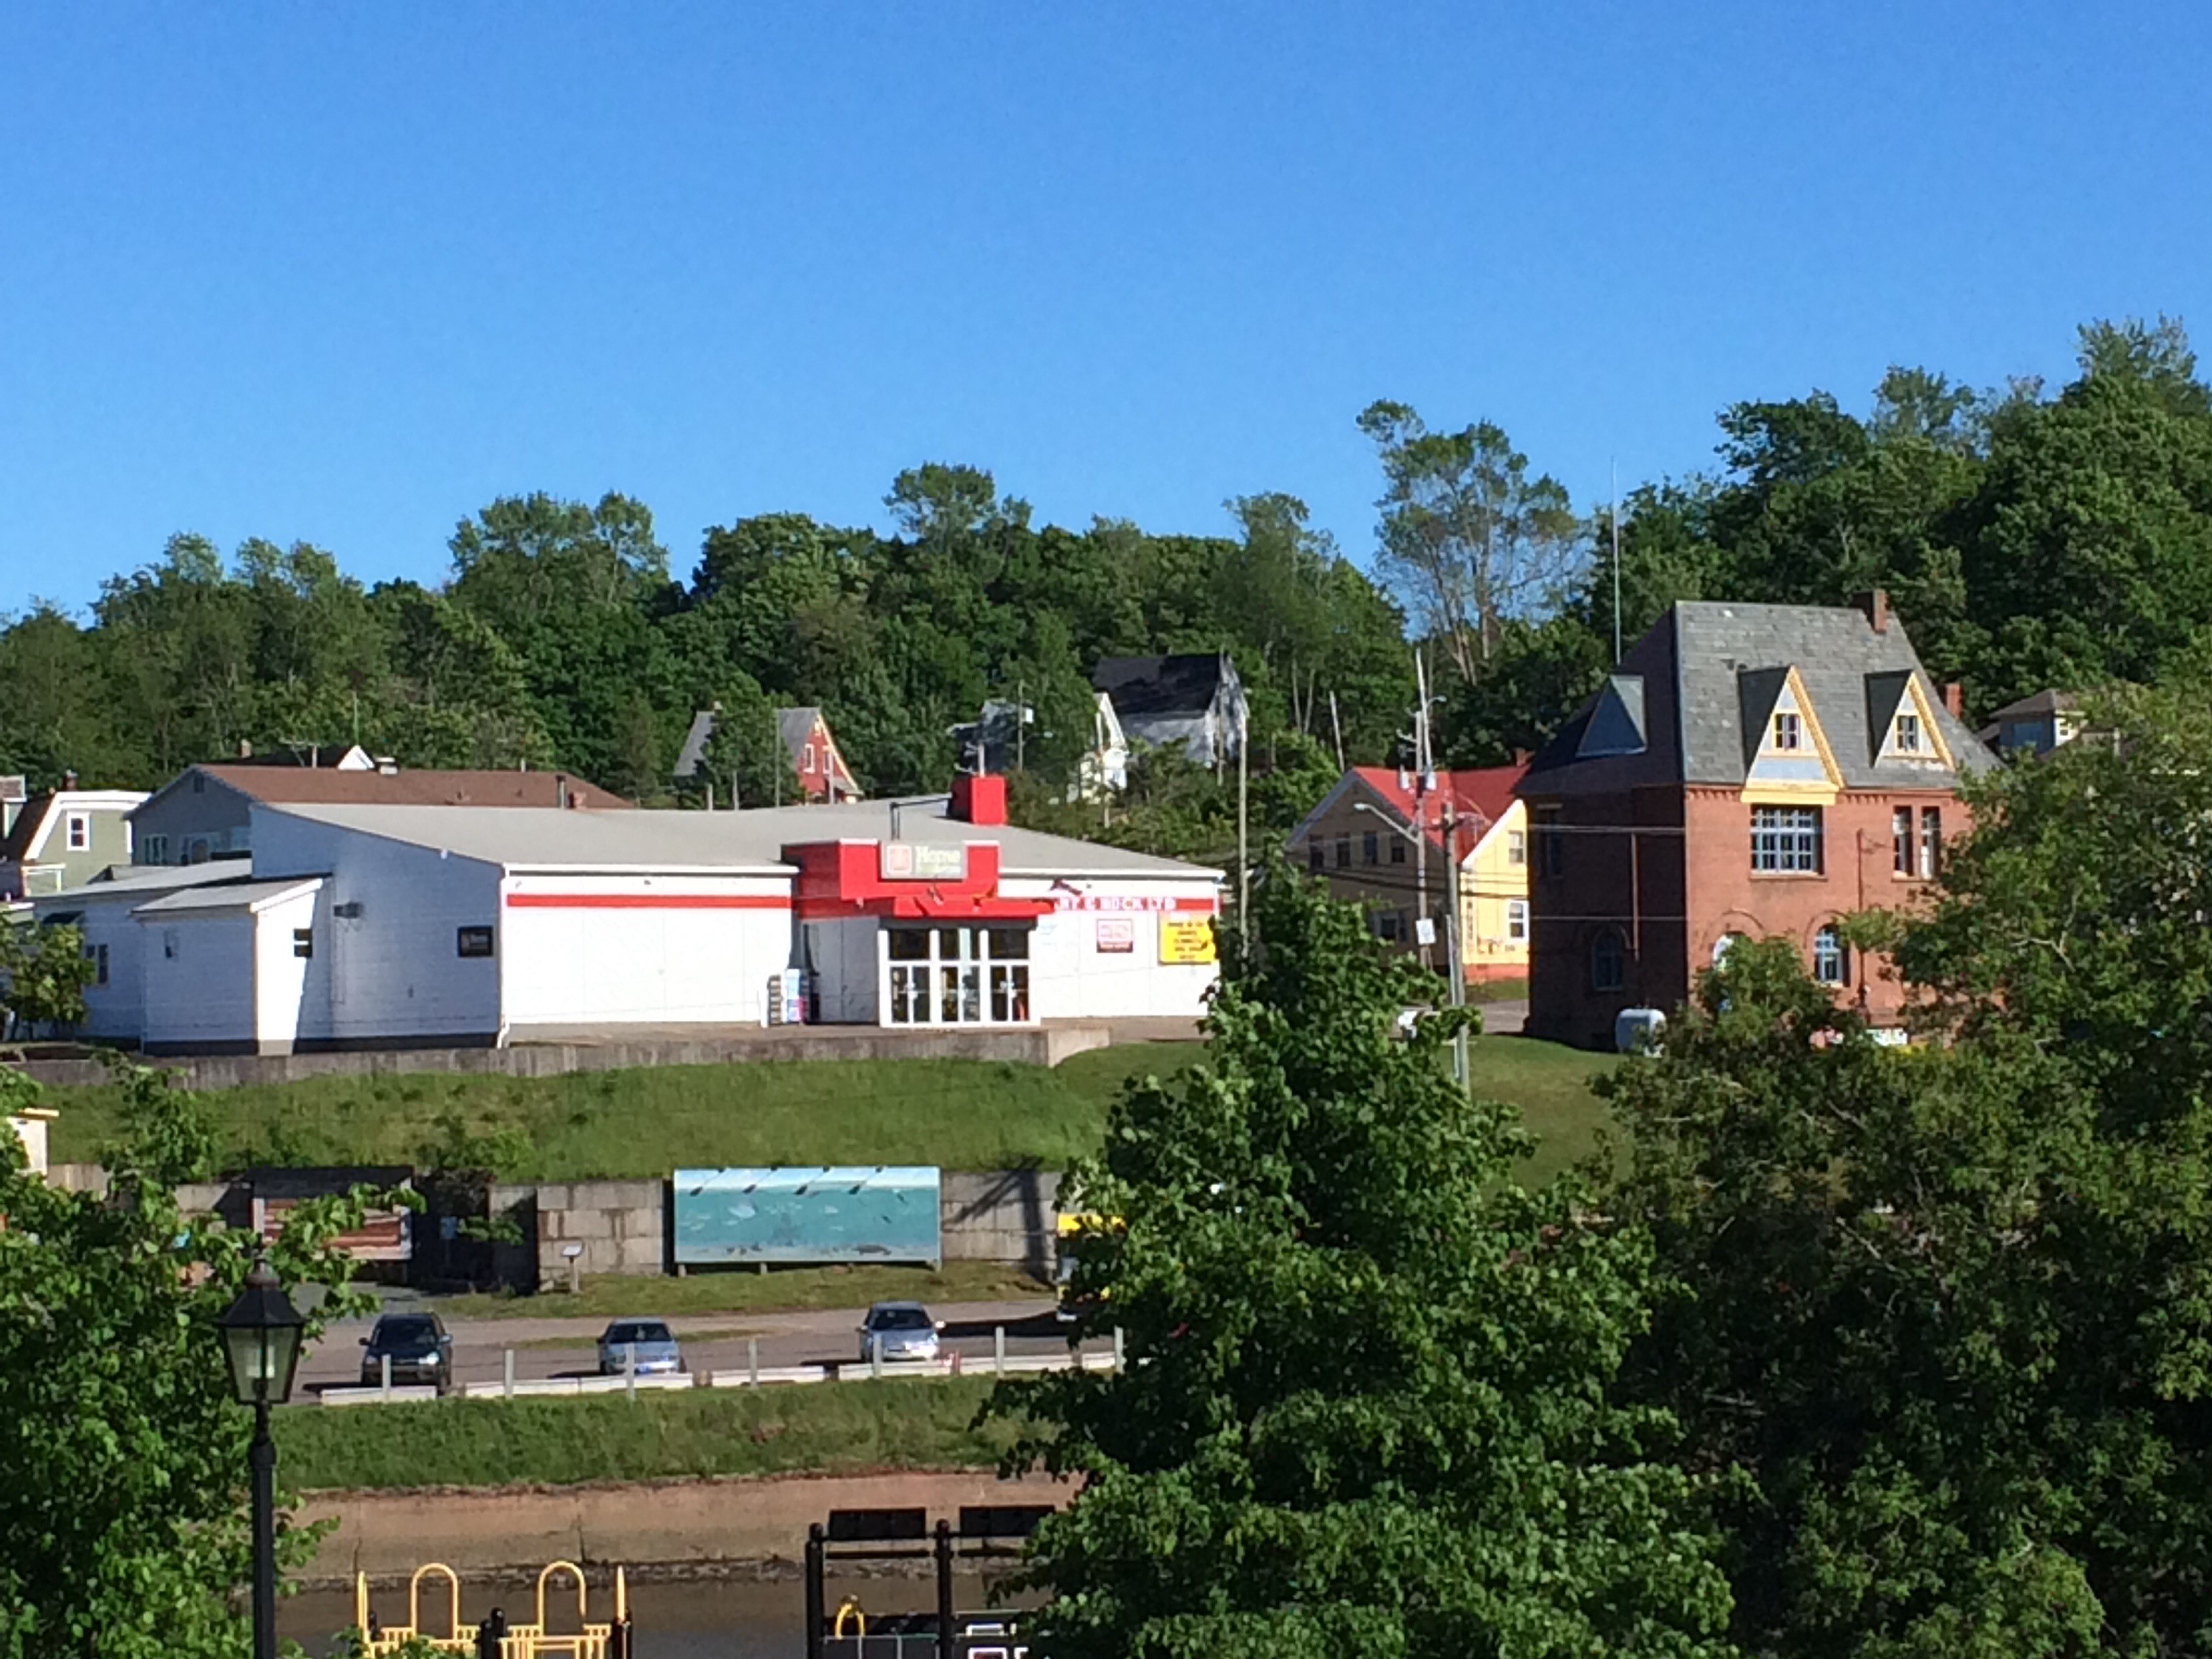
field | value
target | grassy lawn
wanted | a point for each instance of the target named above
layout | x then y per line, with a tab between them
1549	1083
956	1114
782	1291
820	1429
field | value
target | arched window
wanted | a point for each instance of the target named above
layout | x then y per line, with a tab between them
1831	958
1606	964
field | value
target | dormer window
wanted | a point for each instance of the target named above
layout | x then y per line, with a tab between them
1789	732
1907	740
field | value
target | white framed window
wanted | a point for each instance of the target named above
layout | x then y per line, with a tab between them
1517	921
1831	958
1789	732
1517	847
1931	842
1785	840
1906	739
79	831
809	758
156	848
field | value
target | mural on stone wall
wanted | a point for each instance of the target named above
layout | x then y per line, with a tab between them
846	1213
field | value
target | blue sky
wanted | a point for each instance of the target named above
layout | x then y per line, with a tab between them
345	273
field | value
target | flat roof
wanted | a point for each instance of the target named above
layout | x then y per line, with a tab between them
745	842
226	895
137	880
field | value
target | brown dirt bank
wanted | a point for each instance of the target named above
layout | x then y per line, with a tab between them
752	1525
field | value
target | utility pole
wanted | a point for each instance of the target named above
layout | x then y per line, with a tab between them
1452	932
1244	827
1421	801
1616	564
1022	721
1337	726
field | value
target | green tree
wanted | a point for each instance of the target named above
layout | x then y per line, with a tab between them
1946	1307
122	1452
43	974
1469	535
744	759
1364	1411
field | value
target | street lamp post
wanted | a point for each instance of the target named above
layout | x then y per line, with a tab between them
261	1336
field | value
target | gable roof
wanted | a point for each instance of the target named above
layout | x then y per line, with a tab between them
1483	793
2047	701
793	727
1706	665
1181	685
26	837
429	787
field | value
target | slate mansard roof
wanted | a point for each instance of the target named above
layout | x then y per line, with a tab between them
1689	703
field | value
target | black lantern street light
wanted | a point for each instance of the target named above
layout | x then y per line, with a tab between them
261	1334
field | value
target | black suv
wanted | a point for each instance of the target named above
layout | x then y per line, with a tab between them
418	1347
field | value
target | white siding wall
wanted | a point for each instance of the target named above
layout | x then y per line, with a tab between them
116	1009
1073	979
602	951
394	972
291	993
199	981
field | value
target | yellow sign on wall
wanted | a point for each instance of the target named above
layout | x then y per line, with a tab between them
1186	942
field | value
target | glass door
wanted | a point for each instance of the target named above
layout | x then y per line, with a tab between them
951	976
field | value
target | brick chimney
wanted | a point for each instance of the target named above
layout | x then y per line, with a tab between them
245	749
1954	699
979	800
68	780
1875	603
1521	758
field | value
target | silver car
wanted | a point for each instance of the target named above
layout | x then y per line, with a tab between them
898	1330
649	1340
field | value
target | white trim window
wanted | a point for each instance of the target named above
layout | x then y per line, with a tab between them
80	832
1789	732
1831	958
1785	840
1517	922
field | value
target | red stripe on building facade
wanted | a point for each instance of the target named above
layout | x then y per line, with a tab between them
649	902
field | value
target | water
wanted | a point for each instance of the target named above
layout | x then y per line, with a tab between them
711	1620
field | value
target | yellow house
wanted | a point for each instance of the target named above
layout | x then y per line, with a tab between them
1365	838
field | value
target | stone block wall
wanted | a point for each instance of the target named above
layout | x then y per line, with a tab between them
621	1226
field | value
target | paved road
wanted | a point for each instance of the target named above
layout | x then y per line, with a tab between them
711	1341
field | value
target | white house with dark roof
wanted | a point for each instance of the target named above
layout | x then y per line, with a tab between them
361	926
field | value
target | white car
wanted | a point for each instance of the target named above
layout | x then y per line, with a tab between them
898	1330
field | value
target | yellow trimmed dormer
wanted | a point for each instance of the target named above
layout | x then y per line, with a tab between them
1912	735
1792	764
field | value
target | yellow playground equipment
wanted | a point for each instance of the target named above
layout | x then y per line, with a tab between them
494	1635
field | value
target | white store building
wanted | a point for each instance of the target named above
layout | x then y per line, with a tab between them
368	926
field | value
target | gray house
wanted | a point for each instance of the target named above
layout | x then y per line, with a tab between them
1196	701
63	838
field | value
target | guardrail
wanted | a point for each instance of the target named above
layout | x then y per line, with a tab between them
753	1376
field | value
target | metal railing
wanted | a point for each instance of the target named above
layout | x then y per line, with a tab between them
752	1374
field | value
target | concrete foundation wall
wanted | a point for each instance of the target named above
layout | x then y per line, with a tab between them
1000	1215
1046	1046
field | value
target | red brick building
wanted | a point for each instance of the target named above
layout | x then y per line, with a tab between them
1749	771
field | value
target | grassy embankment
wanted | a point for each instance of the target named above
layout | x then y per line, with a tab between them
958	1115
825	1429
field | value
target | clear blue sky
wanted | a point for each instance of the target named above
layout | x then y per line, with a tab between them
345	273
